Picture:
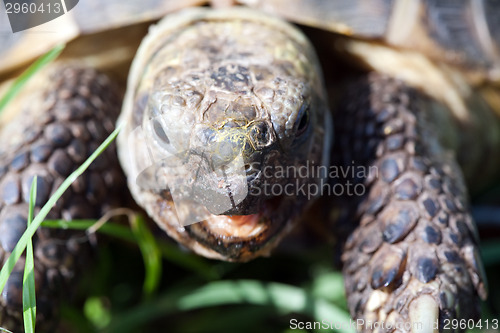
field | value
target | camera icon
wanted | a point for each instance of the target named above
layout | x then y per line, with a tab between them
26	14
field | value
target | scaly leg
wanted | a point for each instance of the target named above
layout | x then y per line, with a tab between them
61	126
413	256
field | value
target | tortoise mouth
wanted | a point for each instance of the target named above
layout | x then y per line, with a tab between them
244	237
241	226
244	226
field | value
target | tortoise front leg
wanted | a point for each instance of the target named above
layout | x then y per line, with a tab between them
412	257
63	123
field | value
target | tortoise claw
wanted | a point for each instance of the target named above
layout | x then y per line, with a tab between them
424	314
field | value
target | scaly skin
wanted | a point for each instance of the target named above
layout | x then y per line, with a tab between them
69	118
414	256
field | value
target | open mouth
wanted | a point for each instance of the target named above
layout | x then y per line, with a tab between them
245	226
241	226
243	237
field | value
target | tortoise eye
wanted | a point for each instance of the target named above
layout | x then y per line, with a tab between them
303	122
160	132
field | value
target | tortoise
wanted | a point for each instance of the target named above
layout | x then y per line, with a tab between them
223	106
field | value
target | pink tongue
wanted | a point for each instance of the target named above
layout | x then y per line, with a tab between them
234	225
240	220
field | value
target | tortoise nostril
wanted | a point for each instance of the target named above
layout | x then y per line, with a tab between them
260	135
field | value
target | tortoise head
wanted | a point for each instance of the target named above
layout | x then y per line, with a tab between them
225	132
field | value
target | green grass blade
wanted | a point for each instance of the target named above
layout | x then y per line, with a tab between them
170	252
111	229
29	298
28	73
150	254
31	229
96	312
329	286
283	298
